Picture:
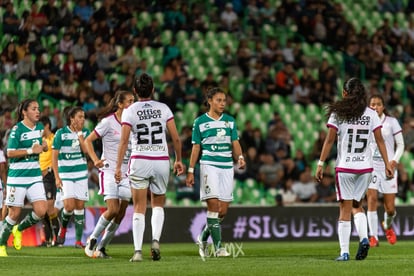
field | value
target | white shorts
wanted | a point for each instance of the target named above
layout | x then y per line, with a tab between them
380	182
149	173
16	195
110	189
216	183
77	189
351	186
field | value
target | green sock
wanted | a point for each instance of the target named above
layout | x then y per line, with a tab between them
205	233
66	218
79	223
215	231
29	220
5	230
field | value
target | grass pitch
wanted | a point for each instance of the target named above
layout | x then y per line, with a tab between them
260	258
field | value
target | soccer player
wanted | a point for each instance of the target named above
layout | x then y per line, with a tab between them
71	172
3	177
51	220
392	133
24	178
116	196
215	137
148	121
353	123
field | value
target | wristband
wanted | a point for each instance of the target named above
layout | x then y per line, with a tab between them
29	151
190	170
321	163
241	157
80	133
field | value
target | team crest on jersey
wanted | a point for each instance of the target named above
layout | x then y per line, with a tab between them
75	143
221	133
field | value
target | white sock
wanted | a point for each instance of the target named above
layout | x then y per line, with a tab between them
157	222
99	227
388	220
344	235
138	227
109	234
372	217
360	221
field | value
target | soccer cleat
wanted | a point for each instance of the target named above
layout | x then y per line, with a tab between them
17	240
221	252
137	257
60	239
373	242
155	250
3	251
390	234
343	257
90	247
202	247
101	254
362	249
79	244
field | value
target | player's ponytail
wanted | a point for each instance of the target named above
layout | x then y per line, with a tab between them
144	85
112	106
23	106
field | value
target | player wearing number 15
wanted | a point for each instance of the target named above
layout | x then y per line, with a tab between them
353	124
148	121
24	178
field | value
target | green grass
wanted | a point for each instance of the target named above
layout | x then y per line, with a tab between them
270	258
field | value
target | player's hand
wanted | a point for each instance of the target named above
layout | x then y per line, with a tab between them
242	163
179	168
189	181
319	173
44	145
389	171
59	183
118	175
37	148
393	164
99	163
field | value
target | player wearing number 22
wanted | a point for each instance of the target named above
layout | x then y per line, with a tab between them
147	121
354	125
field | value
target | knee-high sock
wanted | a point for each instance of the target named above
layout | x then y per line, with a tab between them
66	218
157	222
360	221
388	220
109	234
30	219
5	230
213	223
372	217
99	227
79	223
344	234
138	227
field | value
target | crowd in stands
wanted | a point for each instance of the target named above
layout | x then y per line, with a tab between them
82	51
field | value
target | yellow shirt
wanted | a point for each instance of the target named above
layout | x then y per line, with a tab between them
45	158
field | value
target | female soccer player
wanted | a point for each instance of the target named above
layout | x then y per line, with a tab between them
71	172
116	196
215	137
392	133
353	123
148	121
24	178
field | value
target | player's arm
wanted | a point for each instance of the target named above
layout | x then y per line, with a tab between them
90	150
326	149
172	130
389	172
3	173
399	141
58	181
195	153
238	154
122	148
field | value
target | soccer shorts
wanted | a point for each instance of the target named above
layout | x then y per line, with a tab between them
216	183
16	195
49	183
351	186
112	190
380	182
149	173
77	189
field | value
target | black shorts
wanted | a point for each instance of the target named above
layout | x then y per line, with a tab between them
50	185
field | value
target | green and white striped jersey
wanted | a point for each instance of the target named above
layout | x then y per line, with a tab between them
215	138
72	163
24	171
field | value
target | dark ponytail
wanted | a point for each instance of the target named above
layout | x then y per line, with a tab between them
144	85
112	106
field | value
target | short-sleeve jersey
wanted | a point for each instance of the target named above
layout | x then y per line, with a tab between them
148	122
215	138
71	160
354	138
45	158
2	160
390	128
24	171
109	130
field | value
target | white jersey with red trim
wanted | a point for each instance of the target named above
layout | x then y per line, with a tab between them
148	122
109	130
354	138
390	128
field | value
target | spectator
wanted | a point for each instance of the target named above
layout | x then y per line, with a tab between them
286	80
89	69
11	21
286	195
9	58
256	91
80	51
70	67
305	187
83	10
326	189
51	86
69	88
26	69
55	64
271	173
229	19
66	43
100	85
